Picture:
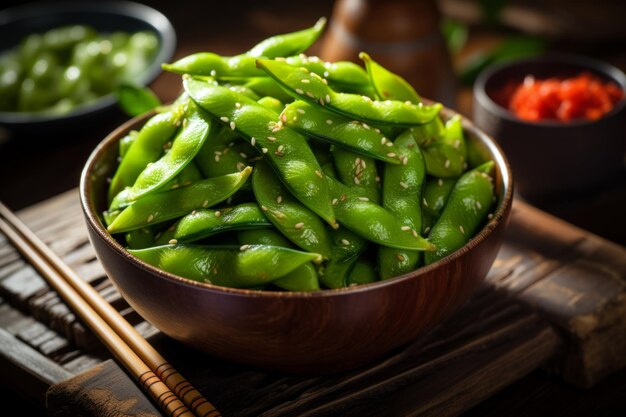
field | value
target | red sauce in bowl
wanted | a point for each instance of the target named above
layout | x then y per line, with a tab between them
584	96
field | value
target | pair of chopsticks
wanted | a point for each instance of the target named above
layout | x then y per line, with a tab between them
174	395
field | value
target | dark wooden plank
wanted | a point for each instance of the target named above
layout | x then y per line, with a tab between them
27	370
21	285
85	361
86	395
575	280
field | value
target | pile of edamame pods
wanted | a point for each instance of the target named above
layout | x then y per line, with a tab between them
66	67
276	170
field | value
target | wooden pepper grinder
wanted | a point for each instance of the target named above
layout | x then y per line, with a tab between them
402	35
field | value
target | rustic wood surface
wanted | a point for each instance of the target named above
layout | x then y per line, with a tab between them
549	276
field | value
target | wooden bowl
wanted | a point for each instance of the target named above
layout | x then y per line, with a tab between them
319	332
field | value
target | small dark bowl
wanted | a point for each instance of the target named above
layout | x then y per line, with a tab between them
319	332
550	158
19	22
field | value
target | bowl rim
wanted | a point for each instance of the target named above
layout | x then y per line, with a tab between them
592	65
158	22
499	215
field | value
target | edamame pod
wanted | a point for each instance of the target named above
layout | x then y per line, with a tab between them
466	210
214	65
296	222
436	193
147	148
126	141
285	150
203	223
189	174
373	222
443	147
340	74
271	103
140	238
339	130
222	153
363	272
167	205
347	247
266	86
237	267
303	278
402	195
243	66
185	146
358	173
388	86
289	43
304	85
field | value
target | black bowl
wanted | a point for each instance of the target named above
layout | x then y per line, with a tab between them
19	22
550	158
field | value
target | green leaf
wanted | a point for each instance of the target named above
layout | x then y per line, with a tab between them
136	100
455	33
512	48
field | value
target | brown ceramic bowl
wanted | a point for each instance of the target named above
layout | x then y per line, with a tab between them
318	332
551	159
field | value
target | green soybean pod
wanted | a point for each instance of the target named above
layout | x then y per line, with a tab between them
443	160
126	142
373	222
341	74
243	65
454	136
402	195
147	148
243	90
167	205
443	146
188	175
285	150
203	223
436	194
222	153
357	172
185	146
271	103
303	278
346	249
237	267
467	209
296	222
339	130
140	238
209	64
289	43
363	272
266	86
310	87
388	86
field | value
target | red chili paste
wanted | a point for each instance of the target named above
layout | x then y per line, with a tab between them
582	97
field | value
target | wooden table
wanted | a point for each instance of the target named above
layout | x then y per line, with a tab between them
33	169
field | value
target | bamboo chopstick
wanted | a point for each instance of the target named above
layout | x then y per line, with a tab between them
153	372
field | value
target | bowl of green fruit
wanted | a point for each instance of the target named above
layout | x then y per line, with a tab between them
61	63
